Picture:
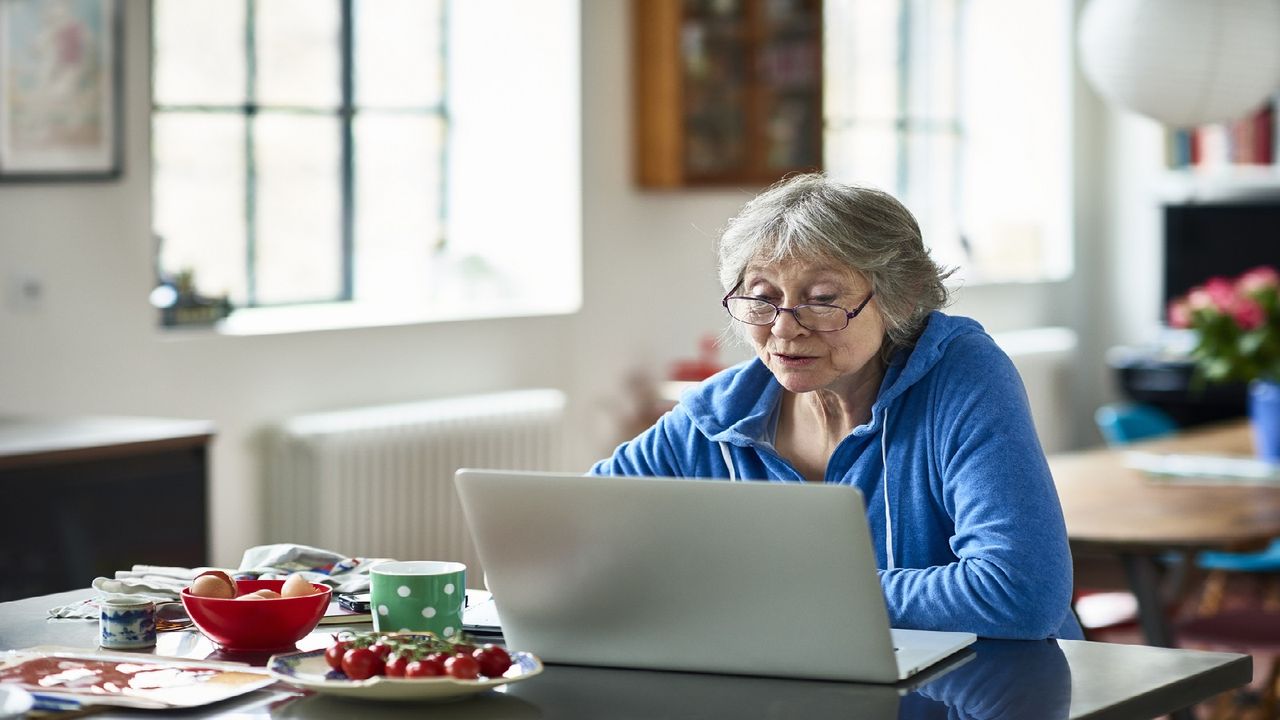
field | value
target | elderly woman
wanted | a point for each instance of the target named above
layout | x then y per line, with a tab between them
860	380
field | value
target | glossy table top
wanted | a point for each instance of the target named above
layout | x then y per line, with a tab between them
994	679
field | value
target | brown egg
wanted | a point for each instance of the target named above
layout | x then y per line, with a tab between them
296	586
226	578
263	594
212	586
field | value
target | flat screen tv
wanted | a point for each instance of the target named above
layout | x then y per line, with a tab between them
1205	239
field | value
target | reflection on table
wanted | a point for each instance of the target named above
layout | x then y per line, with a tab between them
994	679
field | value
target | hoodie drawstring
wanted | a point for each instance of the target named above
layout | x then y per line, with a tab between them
884	460
728	460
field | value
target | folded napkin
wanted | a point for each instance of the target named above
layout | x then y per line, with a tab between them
263	562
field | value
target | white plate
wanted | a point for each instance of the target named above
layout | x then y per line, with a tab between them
14	701
310	670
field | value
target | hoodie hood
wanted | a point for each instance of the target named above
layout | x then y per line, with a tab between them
737	405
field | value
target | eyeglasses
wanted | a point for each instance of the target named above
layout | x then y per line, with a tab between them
818	318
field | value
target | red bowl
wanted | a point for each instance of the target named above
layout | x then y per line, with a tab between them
257	625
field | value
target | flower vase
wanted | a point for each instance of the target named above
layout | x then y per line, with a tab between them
1264	416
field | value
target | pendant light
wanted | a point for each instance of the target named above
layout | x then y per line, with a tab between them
1182	62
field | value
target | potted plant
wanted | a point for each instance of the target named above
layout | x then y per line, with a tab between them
1237	329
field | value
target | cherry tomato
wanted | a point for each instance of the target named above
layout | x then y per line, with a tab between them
437	659
395	665
462	667
383	651
493	660
361	664
333	655
463	649
423	668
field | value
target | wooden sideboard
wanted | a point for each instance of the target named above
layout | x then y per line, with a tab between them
87	496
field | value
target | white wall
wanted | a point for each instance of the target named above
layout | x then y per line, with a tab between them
92	345
1119	158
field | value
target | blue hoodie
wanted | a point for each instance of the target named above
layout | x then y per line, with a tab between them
971	536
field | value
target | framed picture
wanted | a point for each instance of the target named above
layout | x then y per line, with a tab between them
60	90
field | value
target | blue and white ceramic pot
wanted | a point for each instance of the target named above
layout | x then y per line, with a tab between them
1264	415
126	623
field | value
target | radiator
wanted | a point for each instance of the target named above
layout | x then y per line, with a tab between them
378	481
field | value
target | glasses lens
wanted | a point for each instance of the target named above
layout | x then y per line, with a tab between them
823	318
753	312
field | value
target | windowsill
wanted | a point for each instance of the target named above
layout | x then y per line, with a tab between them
1046	342
1220	183
349	316
958	285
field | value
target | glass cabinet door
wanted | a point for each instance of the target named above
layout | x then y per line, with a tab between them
740	101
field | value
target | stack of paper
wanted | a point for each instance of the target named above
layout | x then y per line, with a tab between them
1205	469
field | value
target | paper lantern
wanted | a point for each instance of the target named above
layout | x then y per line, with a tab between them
1182	62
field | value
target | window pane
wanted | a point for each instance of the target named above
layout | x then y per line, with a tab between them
866	153
198	199
932	69
298	247
298	52
932	159
1019	229
397	203
980	151
861	56
199	52
398	52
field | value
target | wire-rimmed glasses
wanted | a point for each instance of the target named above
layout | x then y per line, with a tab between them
816	317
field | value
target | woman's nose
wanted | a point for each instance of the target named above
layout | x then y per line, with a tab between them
785	326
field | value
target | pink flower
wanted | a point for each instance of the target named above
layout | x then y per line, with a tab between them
1237	325
1180	314
1257	280
1200	299
1222	293
1248	314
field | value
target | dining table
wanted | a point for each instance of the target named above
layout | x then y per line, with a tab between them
1114	504
992	679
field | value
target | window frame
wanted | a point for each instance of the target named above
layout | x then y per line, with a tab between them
912	125
346	113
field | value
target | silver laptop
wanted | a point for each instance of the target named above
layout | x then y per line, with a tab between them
752	578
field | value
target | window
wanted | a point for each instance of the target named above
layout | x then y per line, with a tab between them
331	154
961	109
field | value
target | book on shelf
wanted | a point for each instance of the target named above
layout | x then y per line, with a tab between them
1250	140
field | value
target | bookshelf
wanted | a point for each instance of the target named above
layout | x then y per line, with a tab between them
1220	183
1227	161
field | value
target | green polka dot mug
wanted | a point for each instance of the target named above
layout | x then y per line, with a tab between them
417	596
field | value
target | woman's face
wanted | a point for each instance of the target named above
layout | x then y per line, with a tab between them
804	360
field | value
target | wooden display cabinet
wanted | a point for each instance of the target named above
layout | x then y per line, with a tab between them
728	92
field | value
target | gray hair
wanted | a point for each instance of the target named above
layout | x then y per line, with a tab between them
813	217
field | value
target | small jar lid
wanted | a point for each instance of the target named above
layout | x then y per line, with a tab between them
124	601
